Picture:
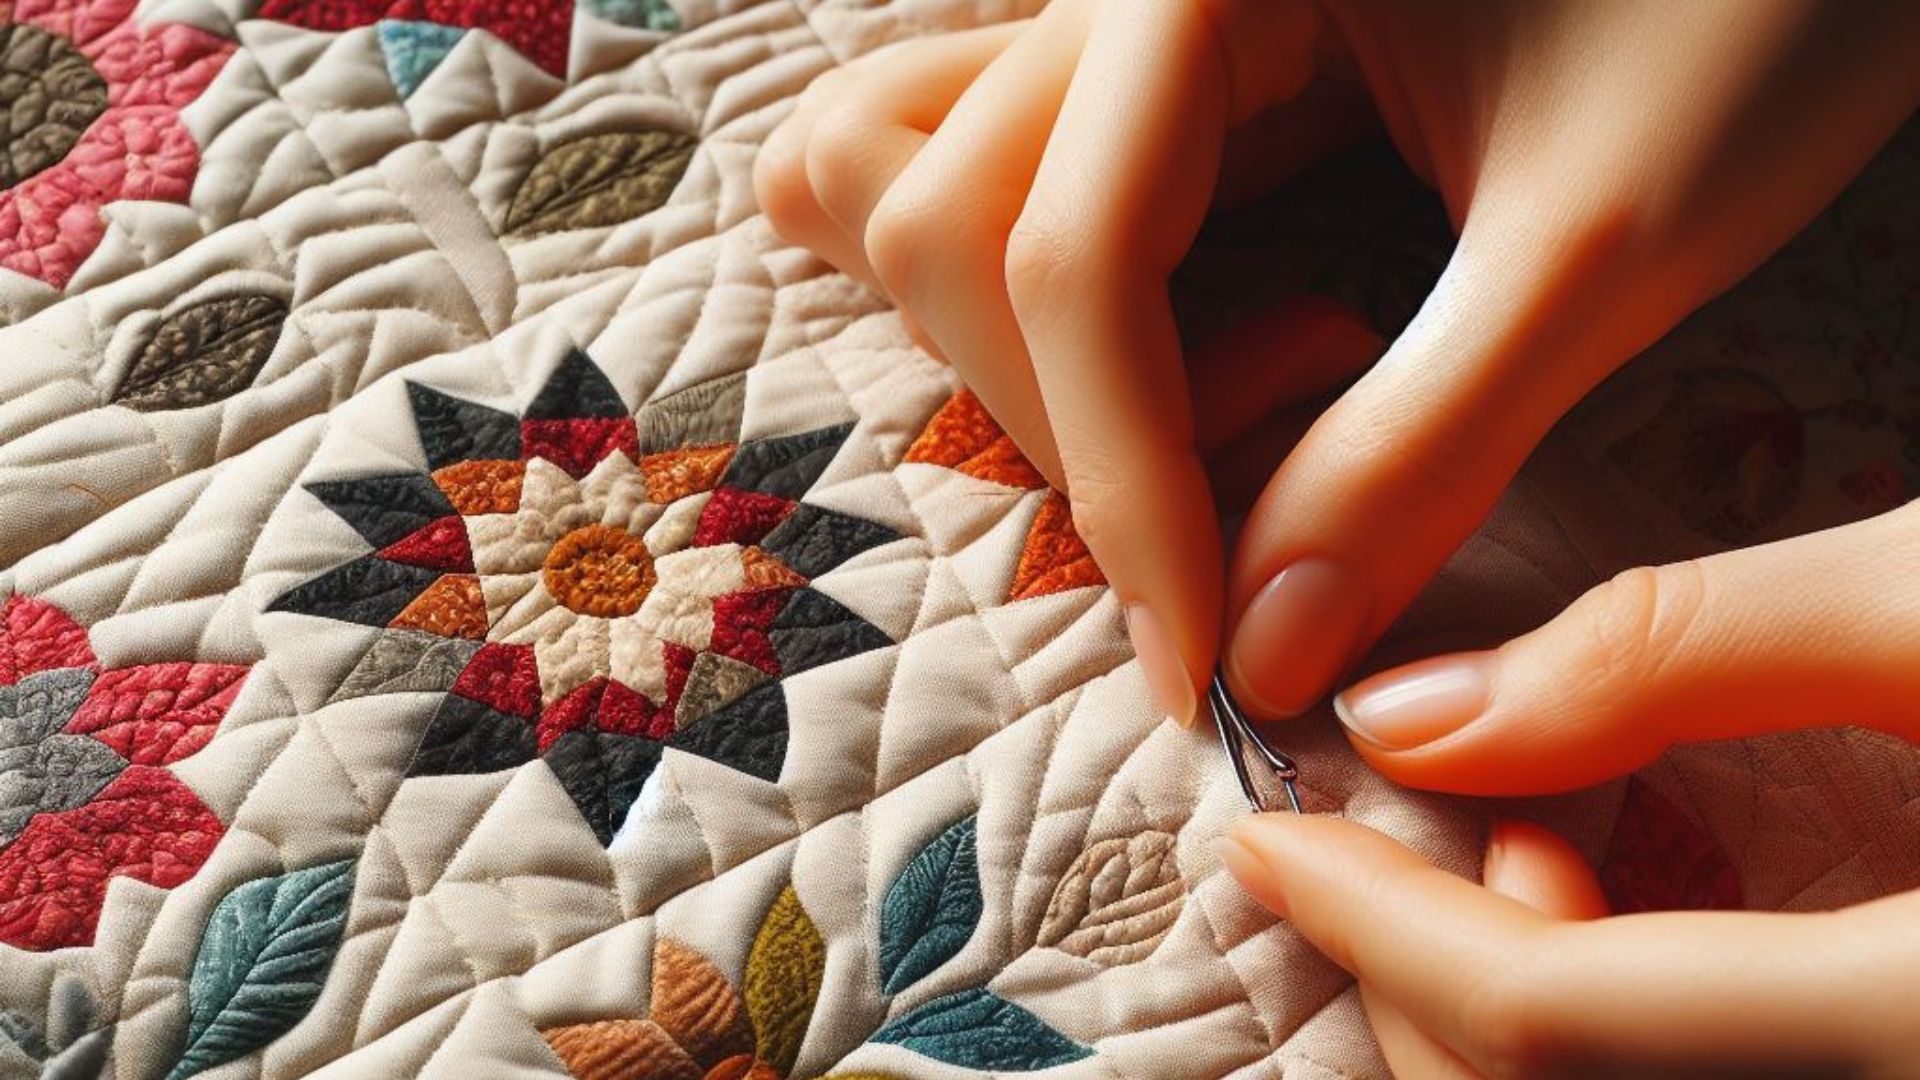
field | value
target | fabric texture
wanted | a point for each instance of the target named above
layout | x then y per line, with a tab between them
473	602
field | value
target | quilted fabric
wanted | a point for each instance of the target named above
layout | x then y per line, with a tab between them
474	603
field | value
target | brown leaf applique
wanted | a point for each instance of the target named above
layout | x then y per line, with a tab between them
696	1005
203	353
1117	901
599	180
53	93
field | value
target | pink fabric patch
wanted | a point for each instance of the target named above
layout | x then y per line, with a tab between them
51	222
137	149
168	65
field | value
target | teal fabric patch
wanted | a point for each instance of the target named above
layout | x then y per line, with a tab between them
414	49
932	908
978	1029
262	960
640	14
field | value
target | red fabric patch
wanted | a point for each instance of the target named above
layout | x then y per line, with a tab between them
145	825
734	516
439	545
740	622
504	677
605	704
35	636
1660	859
157	714
539	29
578	445
679	666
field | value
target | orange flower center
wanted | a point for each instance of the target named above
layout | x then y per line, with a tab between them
600	570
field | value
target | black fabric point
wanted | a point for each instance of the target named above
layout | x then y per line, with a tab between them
787	466
452	429
369	590
603	774
815	629
384	508
814	540
749	735
467	737
577	389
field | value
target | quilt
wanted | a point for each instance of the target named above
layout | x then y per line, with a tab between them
473	602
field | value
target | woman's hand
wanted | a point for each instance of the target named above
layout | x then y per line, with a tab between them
1022	193
1461	980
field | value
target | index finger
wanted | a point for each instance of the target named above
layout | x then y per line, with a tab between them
1121	190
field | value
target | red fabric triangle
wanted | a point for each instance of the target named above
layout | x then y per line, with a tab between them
740	622
35	636
736	516
441	544
578	445
505	677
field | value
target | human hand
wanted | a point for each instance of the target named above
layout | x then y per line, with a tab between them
1022	193
1521	977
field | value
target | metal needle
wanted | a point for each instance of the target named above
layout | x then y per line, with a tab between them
1236	733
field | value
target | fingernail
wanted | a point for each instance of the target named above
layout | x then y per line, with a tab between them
1252	871
1296	636
1413	705
1167	677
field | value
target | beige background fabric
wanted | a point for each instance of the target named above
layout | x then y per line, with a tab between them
483	910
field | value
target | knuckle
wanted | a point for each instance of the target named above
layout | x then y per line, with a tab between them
780	185
1096	504
898	233
839	141
1046	251
1641	618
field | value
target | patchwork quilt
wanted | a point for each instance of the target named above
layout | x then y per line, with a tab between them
473	602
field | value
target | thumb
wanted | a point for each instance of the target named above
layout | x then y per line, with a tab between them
1804	632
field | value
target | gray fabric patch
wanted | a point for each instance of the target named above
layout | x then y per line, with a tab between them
407	660
714	682
57	773
40	705
86	1059
700	415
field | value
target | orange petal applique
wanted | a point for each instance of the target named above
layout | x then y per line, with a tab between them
450	607
620	1050
482	487
1055	559
743	1067
764	571
964	437
676	474
696	1004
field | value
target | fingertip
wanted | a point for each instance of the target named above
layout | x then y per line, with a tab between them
1296	636
1539	868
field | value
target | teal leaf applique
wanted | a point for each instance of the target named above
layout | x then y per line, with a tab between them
932	908
978	1029
413	49
261	963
